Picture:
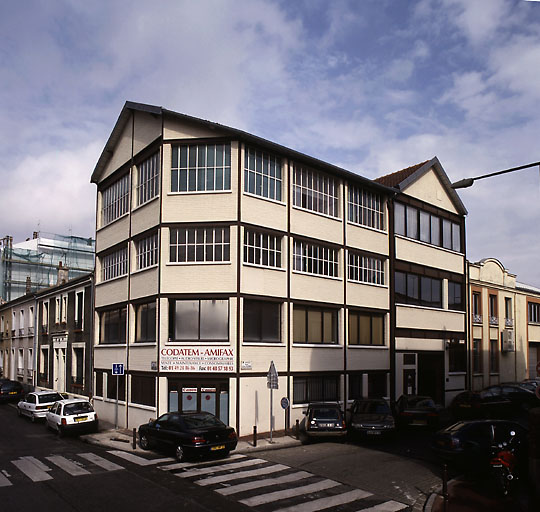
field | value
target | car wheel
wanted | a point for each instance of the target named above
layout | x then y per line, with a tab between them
180	453
144	442
33	418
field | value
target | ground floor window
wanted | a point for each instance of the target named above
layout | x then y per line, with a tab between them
477	356
314	325
457	356
111	386
98	383
493	356
44	364
143	390
315	389
262	321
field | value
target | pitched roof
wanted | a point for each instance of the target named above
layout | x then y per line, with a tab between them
395	178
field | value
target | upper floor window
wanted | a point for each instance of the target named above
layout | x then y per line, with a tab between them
114	264
113	326
199	320
262	174
365	328
147	251
115	200
315	259
79	310
148	179
145	320
262	249
262	321
455	296
508	308
314	325
199	245
426	227
534	313
493	315
419	290
366	269
315	191
366	208
201	167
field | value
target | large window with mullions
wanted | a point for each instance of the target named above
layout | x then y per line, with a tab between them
262	174
189	245
315	191
418	290
201	167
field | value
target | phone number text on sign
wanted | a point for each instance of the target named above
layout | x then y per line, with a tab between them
197	359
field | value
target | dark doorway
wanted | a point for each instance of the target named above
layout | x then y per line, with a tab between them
431	375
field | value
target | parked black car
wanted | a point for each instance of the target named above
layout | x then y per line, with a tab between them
371	417
498	401
11	391
468	444
188	434
417	410
323	420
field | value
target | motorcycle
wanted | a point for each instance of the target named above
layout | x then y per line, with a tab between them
504	465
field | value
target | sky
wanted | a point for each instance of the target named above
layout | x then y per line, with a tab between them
373	86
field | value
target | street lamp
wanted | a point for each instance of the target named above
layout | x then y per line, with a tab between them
467	182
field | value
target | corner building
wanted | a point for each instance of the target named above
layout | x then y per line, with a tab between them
218	252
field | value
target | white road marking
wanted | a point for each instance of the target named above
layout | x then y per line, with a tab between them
140	461
261	499
182	465
67	465
32	468
330	501
387	506
241	474
220	467
4	481
100	461
257	484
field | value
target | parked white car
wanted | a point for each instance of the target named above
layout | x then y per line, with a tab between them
36	404
73	415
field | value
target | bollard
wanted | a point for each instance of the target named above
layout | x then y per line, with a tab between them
134	438
297	429
445	487
254	435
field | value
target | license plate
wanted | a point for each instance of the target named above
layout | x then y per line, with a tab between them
81	418
327	425
219	447
374	432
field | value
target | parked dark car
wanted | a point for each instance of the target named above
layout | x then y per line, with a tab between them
371	417
323	420
188	434
498	401
11	391
418	410
468	444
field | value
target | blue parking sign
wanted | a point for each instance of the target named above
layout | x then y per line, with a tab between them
118	369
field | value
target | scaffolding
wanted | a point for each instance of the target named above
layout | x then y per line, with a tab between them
33	265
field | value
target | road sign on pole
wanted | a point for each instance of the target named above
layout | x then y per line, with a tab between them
272	383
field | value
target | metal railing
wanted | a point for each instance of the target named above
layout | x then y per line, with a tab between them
477	319
493	320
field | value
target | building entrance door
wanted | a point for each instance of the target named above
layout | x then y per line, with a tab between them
60	369
431	375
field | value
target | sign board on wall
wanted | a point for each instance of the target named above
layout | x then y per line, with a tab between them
206	359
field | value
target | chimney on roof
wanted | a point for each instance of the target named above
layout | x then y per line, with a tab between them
28	284
35	234
62	274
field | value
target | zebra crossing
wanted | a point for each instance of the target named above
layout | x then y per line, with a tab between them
254	482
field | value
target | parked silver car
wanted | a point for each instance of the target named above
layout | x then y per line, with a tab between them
36	404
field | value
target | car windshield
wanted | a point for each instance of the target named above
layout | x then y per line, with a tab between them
373	408
48	398
77	408
325	413
195	421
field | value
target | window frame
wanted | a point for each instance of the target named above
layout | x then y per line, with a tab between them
414	294
259	314
255	250
114	264
148	174
188	250
311	311
115	200
262	168
105	328
366	269
153	332
366	208
307	259
372	316
326	384
315	191
142	390
147	251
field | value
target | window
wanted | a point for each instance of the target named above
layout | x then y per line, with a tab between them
534	313
493	356
366	269
455	296
146	323
493	315
314	325
315	191
148	179
457	356
508	308
99	383
366	208
44	314
412	222
113	326
115	200
199	320
114	264
262	321
201	168
477	356
262	249
57	310
366	328
77	371
20	361
399	219
477	307
30	365
143	390
147	251
112	381
44	364
79	310
315	389
262	174
199	245
419	290
64	309
315	259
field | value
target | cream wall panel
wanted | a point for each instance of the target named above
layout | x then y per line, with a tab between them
534	333
477	332
320	358
163	319
456	381
368	359
260	357
179	129
121	153
306	287
112	233
367	295
141	357
264	213
145	217
429	189
147	129
419	344
138	416
144	283
316	226
367	239
260	281
111	292
432	319
431	256
105	356
163	395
